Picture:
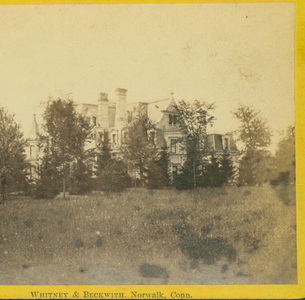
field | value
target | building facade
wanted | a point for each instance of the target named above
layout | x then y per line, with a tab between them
109	116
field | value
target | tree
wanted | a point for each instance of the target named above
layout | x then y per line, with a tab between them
80	180
193	119
283	165
111	174
67	131
13	164
137	148
227	169
218	170
255	137
48	184
163	163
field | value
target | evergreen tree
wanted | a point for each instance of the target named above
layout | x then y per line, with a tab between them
217	170
111	174
80	181
48	184
212	172
158	175
163	163
226	168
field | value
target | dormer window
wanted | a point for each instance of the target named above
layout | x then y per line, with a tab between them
172	119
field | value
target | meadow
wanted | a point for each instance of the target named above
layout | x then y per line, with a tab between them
229	235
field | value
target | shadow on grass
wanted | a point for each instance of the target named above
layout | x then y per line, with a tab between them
208	249
284	193
153	271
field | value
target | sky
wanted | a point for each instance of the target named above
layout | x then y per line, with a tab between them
230	54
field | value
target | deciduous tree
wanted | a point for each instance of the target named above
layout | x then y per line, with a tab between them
255	137
13	164
193	119
137	147
283	165
67	131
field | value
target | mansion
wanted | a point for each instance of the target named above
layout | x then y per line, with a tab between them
109	116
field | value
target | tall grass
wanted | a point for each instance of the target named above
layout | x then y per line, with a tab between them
106	238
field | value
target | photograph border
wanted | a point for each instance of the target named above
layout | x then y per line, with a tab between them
257	291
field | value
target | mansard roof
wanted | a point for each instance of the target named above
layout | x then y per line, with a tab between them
214	141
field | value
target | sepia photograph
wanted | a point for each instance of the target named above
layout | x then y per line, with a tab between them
147	144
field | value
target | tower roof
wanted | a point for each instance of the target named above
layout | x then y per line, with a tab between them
34	132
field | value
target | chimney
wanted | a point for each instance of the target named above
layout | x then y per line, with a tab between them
120	113
102	111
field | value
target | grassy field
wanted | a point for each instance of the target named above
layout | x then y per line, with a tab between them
204	236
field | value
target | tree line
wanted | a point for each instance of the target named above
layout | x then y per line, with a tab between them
67	164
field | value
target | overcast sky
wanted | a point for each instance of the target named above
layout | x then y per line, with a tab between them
229	54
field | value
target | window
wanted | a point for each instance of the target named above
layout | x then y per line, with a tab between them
152	136
32	151
172	119
94	121
226	143
173	146
32	172
175	171
114	139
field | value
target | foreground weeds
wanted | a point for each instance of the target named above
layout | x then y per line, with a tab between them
221	235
